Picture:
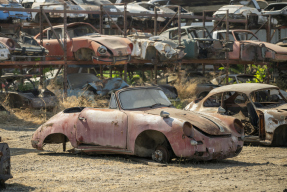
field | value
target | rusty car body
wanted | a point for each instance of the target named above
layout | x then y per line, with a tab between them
21	46
56	5
238	9
85	44
277	11
198	43
248	47
141	121
29	96
5	166
147	47
260	107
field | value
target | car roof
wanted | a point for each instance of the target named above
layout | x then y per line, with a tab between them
234	30
184	27
70	25
139	87
246	88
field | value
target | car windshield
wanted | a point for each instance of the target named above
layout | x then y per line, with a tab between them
241	36
267	98
247	79
190	33
80	30
78	80
92	2
139	98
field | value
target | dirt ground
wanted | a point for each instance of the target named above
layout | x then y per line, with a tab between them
257	168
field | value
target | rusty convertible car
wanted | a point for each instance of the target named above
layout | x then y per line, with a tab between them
141	121
85	44
248	47
261	108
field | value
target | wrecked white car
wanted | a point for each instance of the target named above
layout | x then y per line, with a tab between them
148	47
4	52
277	11
261	108
248	9
57	17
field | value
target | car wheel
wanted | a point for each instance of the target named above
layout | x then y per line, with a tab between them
161	154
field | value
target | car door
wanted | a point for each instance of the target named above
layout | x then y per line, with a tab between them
102	127
51	43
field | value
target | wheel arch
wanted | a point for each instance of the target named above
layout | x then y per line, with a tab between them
148	140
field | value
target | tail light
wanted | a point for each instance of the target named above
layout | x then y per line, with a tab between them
5	11
131	46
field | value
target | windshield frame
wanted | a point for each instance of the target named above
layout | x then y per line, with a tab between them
267	107
138	88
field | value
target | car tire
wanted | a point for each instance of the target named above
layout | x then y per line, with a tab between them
161	155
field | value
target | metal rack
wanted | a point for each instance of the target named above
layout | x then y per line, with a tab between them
102	12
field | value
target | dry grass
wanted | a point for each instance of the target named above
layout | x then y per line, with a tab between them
187	88
29	116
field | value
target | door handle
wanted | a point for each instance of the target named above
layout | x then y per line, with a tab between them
47	43
82	118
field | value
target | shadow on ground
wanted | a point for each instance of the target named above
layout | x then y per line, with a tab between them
17	187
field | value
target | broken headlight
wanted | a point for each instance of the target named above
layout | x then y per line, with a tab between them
102	50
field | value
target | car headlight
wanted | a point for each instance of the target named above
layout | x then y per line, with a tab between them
102	50
187	129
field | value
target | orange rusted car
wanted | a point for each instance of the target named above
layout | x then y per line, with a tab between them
85	44
248	47
141	121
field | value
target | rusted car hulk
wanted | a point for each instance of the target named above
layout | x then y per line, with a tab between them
141	121
85	44
261	108
247	47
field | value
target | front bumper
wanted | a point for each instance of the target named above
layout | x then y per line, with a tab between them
210	148
114	60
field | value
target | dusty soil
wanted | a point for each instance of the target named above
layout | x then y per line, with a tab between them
257	168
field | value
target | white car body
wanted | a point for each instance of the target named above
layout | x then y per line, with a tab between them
4	52
247	8
70	6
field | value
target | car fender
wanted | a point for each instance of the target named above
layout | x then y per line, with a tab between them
62	123
171	128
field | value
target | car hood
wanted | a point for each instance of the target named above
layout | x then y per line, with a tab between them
205	123
109	8
275	114
271	46
117	45
233	9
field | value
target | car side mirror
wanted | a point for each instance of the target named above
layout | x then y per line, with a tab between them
164	114
221	110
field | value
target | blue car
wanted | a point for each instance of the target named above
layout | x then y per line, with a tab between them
11	15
